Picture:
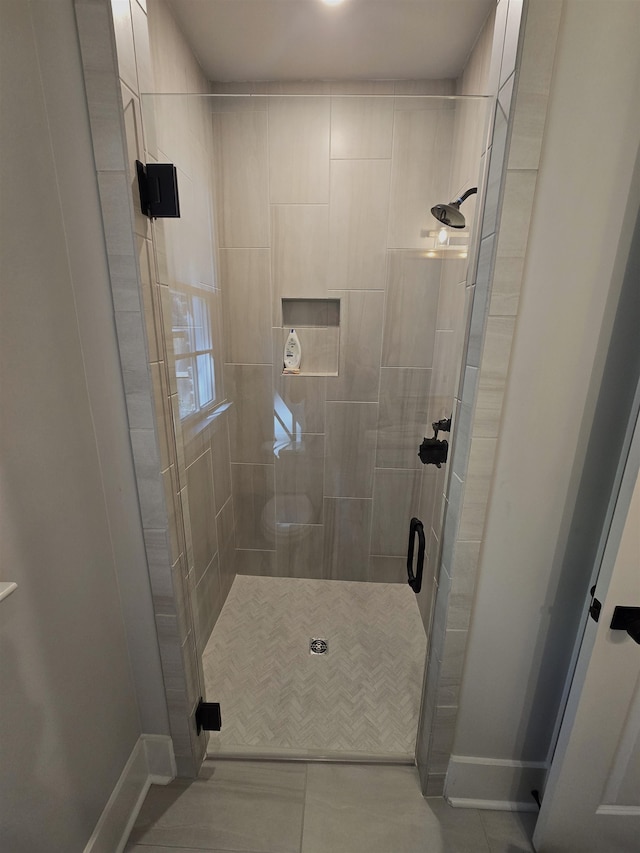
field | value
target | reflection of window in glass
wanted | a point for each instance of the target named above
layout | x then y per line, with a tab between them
287	431
193	347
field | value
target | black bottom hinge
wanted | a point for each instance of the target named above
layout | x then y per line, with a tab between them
595	607
208	717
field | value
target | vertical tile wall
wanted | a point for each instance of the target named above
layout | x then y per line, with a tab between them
179	131
125	52
328	197
196	472
444	661
512	156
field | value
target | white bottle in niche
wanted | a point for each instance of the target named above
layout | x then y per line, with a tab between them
292	353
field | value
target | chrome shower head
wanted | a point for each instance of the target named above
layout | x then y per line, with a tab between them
449	214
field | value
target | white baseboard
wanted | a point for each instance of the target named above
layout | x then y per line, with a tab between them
161	761
494	783
151	762
620	811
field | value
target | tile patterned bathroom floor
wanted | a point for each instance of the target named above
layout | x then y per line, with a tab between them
286	807
360	699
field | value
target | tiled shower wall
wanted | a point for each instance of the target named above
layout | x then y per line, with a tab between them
444	670
129	47
328	197
195	456
519	56
179	131
181	252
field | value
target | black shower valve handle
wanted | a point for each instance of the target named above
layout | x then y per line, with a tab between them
433	451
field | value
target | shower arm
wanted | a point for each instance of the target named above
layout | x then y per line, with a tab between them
464	197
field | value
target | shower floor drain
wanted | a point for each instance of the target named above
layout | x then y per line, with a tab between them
317	646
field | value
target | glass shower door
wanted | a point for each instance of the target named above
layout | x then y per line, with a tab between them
310	212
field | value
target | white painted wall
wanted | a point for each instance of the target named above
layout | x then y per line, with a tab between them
71	537
530	595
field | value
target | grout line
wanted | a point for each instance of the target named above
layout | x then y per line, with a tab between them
344	498
260	464
484	831
369	160
248	364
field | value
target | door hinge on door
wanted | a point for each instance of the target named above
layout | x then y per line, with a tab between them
596	606
208	716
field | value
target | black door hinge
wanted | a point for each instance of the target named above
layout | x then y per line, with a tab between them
596	606
158	188
208	717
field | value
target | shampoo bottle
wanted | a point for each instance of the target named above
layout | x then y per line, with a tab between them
292	352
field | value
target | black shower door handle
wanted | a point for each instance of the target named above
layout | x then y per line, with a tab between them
415	581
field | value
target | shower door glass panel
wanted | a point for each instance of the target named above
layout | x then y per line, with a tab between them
311	212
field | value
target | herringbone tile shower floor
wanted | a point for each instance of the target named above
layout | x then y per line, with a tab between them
362	697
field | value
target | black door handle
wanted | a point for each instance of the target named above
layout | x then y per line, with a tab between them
627	619
415	581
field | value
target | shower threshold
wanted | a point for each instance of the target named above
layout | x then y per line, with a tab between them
312	756
357	703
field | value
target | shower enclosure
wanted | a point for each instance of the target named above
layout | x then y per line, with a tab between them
310	212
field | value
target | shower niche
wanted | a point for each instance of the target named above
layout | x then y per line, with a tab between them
317	323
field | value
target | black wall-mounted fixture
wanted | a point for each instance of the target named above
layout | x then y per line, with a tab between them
627	619
434	451
208	717
158	185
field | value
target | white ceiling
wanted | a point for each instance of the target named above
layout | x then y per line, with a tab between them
308	40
